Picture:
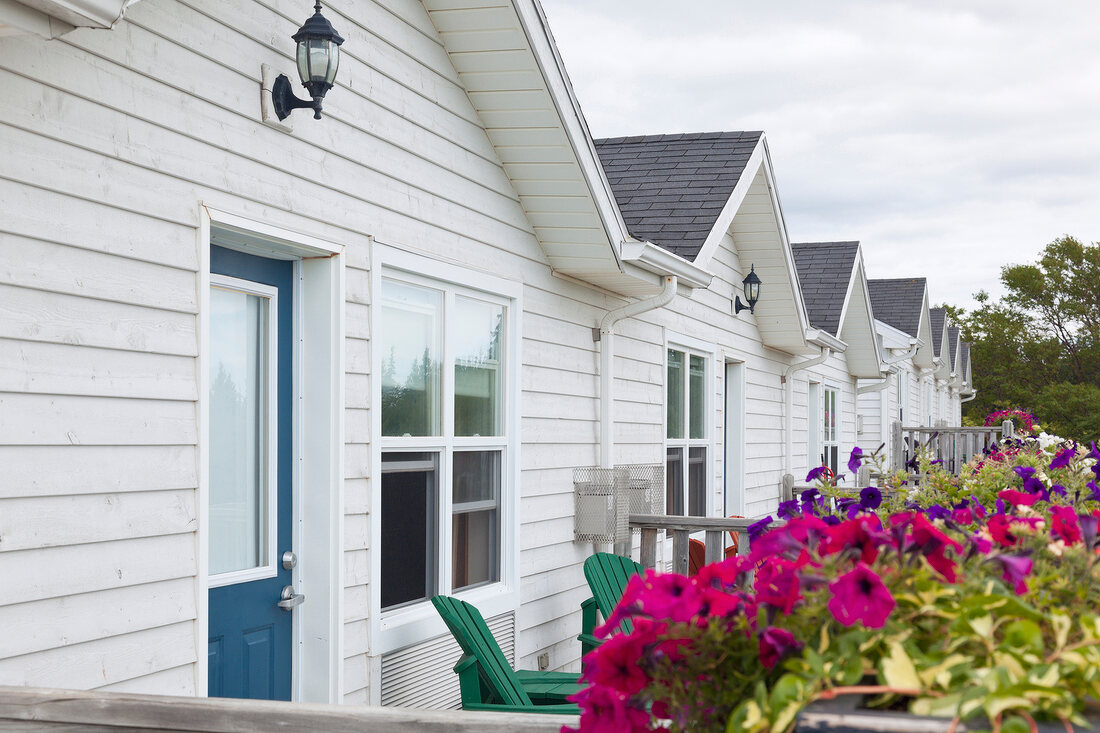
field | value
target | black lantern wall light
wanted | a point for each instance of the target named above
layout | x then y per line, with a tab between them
318	57
751	284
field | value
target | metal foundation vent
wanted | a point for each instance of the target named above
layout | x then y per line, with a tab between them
604	498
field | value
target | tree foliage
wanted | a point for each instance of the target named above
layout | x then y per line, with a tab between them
1038	347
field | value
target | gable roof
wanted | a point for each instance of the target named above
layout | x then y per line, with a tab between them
899	302
937	316
953	345
824	271
671	189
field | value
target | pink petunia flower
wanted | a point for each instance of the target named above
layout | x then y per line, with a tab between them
604	710
1017	498
860	595
774	643
1016	568
1063	524
614	664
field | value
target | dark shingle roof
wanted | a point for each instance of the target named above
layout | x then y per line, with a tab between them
824	271
964	357
952	342
671	188
936	316
899	302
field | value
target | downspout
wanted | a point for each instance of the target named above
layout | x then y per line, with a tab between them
606	337
902	357
972	396
788	402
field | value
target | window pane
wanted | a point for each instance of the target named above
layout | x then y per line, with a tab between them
238	440
674	481
475	540
477	333
697	481
697	395
411	343
409	528
675	404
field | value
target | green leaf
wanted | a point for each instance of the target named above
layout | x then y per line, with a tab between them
1061	624
897	668
1015	725
982	626
1024	634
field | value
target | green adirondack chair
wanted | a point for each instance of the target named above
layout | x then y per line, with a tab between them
607	576
487	681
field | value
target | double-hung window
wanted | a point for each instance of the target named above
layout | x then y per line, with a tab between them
831	429
687	438
445	437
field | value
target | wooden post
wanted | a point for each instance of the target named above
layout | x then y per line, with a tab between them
1008	429
786	492
743	542
897	449
681	541
714	546
863	476
648	553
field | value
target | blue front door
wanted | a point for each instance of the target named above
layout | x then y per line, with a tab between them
251	496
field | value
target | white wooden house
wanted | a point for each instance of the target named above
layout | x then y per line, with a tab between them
834	285
365	340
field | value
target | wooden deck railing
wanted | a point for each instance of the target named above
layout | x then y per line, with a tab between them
952	446
681	529
70	711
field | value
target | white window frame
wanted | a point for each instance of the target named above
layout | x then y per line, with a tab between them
838	432
270	432
415	622
693	347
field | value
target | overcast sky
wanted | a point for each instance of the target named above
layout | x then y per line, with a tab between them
950	138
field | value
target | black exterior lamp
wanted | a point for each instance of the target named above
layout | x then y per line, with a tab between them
318	58
752	293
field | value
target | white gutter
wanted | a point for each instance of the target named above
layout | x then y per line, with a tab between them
788	402
914	348
607	361
654	259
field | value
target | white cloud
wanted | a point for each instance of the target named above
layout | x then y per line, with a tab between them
949	138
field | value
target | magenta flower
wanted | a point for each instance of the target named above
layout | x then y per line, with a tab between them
614	664
1063	524
860	595
1063	458
604	710
1017	498
1016	569
774	643
855	459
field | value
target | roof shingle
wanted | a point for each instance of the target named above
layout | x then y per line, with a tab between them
898	302
824	271
671	188
936	316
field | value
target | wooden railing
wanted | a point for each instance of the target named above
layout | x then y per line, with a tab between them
681	529
71	711
952	446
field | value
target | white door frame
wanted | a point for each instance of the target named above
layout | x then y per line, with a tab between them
318	461
734	437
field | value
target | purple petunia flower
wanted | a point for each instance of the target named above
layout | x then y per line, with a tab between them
831	519
855	459
1094	454
1024	472
1063	458
809	494
1033	485
870	498
815	473
788	509
1058	489
1001	508
1089	524
1016	568
1094	490
938	512
758	528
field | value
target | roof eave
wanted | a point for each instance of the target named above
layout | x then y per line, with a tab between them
660	261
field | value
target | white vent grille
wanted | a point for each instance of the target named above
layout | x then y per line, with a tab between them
422	676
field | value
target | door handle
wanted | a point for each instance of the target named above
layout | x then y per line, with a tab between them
288	599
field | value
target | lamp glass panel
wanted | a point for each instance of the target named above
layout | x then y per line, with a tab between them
318	59
303	62
333	64
752	291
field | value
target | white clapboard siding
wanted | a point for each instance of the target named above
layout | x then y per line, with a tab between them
175	681
30	419
74	619
31	575
70	520
104	661
93	469
408	680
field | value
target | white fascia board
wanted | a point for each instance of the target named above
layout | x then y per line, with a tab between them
17	18
895	338
82	13
729	211
532	20
650	257
788	255
824	339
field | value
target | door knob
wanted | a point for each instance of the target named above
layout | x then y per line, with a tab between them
290	560
288	599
